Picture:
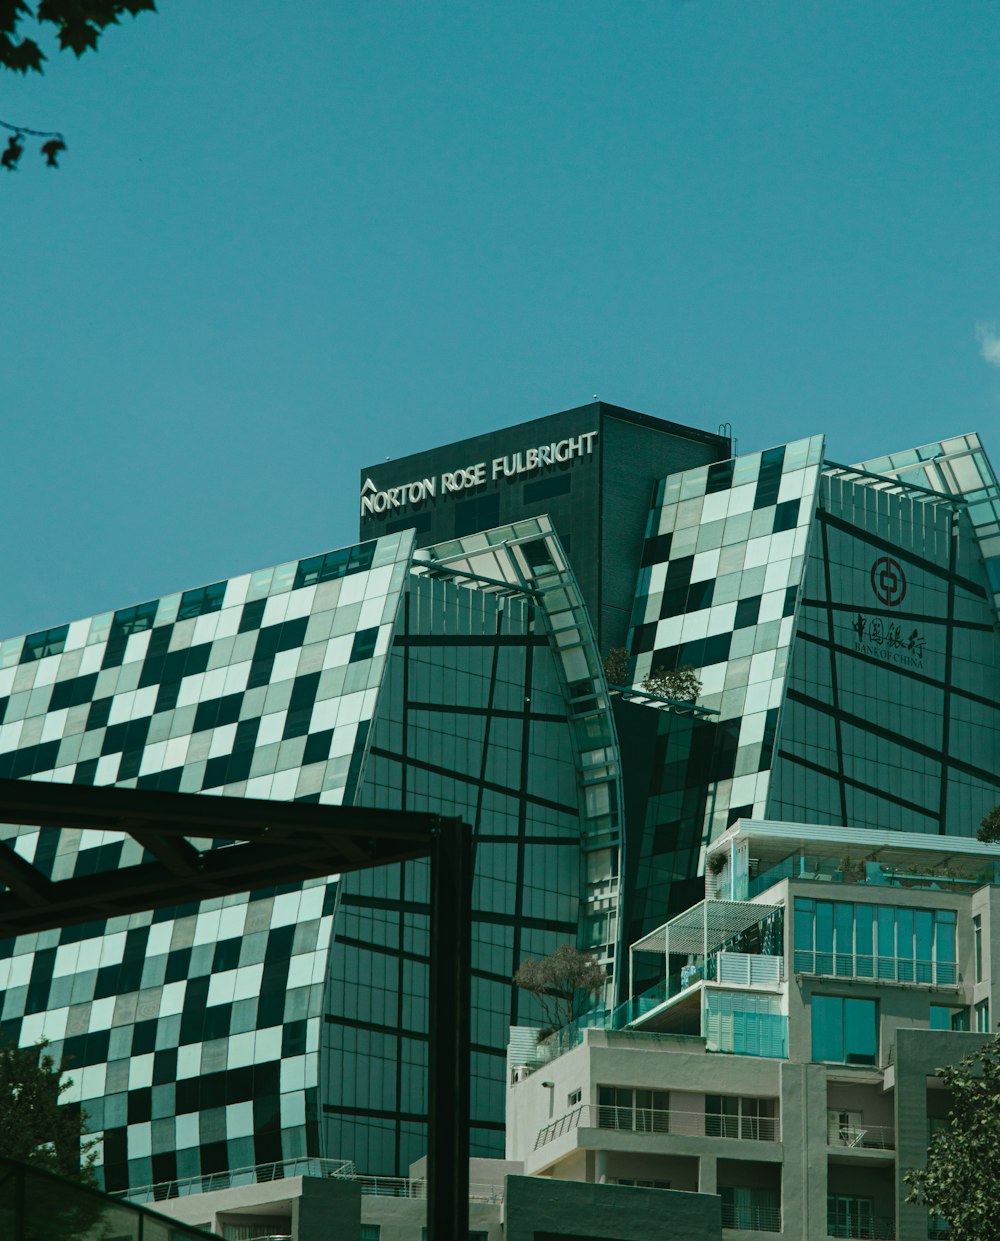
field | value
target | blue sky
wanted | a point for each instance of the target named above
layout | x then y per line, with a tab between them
289	241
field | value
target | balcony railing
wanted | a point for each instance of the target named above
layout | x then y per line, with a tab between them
880	969
751	1218
863	1137
340	1169
866	1228
870	874
659	1121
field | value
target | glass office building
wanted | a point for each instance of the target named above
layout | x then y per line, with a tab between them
462	678
843	623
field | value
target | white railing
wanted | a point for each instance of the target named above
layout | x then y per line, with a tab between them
879	969
863	1137
340	1169
660	1121
254	1175
751	1218
745	969
404	1187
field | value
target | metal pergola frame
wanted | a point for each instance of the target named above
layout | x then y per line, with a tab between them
702	929
199	846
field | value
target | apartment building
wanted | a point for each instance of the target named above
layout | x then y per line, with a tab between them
786	1057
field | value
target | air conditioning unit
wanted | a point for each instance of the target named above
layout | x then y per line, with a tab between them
521	1073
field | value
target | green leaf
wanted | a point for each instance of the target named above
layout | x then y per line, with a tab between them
20	56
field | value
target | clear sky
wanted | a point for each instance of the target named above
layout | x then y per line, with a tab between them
290	240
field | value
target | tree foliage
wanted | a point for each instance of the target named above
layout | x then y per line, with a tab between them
78	25
616	666
564	984
960	1181
34	1128
680	684
989	829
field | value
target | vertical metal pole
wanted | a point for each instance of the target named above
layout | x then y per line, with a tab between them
448	1051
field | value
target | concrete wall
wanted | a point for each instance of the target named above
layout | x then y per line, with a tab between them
308	1208
538	1209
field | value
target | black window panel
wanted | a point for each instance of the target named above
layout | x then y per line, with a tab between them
217	712
140	1105
166	697
716	649
720	476
786	515
45	850
547	488
131	761
46	642
335	564
364	644
238	766
187	1097
165	1066
217	1021
201	601
769	478
42	967
85	771
18	764
178	964
673	602
133	620
643	638
3	707
97	716
679	573
128	736
107	982
252	615
144	1037
239	1084
291	634
656	549
164	1162
246	736
293	1039
747	611
478	513
318	747
790	594
72	693
214	1158
227	955
216	773
699	595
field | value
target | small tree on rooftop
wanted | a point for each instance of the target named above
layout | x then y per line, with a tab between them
564	984
959	1183
989	829
680	684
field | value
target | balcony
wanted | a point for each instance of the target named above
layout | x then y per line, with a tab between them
880	969
863	1137
660	1121
867	1228
751	1218
959	875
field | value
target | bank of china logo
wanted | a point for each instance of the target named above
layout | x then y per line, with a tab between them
888	581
